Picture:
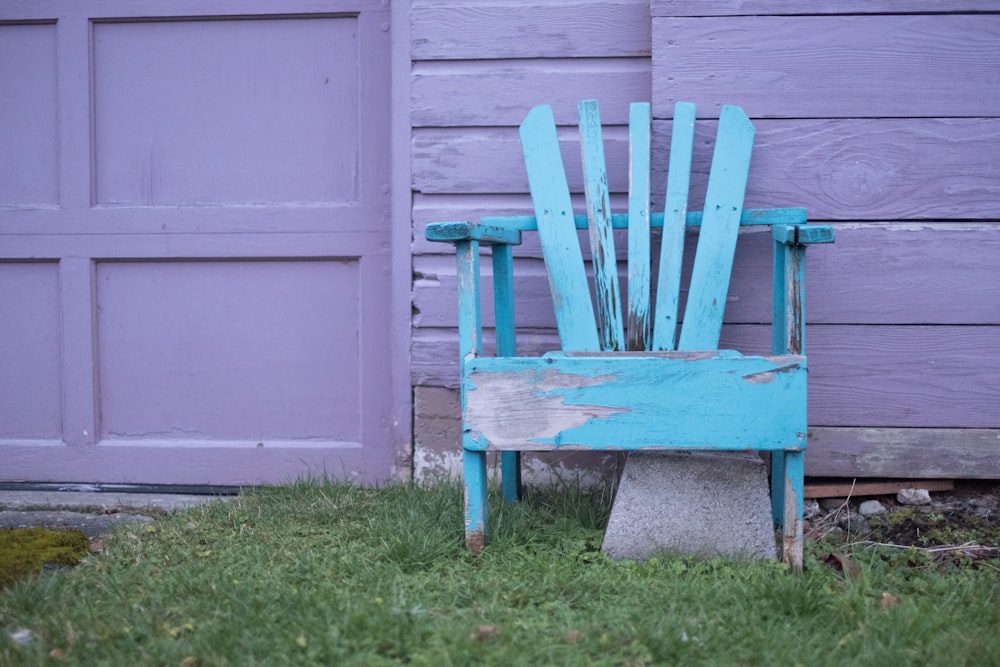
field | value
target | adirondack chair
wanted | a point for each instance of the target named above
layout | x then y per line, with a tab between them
638	382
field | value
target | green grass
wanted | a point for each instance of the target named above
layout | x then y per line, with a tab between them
330	574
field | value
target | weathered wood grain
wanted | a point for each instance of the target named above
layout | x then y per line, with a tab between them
811	7
831	66
500	93
841	169
866	376
607	292
968	453
639	254
529	29
875	274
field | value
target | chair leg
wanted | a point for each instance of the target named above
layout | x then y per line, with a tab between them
778	488
791	532
474	474
510	476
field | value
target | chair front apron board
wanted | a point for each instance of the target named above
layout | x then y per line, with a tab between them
644	377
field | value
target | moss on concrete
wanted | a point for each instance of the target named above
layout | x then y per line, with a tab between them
25	551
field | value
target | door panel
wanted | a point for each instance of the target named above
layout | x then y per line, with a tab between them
235	350
28	134
238	111
30	378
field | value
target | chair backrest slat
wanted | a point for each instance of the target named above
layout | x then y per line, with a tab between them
639	322
719	228
674	222
602	240
579	329
557	232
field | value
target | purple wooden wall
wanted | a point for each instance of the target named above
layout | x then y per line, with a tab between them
883	121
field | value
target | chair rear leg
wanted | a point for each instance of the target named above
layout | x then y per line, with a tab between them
791	531
510	476
778	488
474	476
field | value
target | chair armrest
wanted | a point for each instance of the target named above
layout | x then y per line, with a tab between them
454	232
802	234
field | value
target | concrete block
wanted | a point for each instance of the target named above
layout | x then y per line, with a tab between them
692	503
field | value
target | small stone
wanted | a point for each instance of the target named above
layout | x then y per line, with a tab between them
832	504
853	523
811	509
872	508
914	497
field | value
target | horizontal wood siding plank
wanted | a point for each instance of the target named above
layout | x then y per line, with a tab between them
866	376
475	160
904	452
840	169
435	208
449	31
500	93
809	7
873	274
864	169
830	66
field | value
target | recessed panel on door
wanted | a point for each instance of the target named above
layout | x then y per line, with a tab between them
245	111
28	133
30	358
241	351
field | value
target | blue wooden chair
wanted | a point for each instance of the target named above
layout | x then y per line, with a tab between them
647	379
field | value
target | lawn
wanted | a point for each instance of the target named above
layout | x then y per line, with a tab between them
330	574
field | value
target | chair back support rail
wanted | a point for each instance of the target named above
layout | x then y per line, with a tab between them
643	379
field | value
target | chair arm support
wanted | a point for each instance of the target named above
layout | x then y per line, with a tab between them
789	319
453	232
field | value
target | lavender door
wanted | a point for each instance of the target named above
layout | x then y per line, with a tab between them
194	241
